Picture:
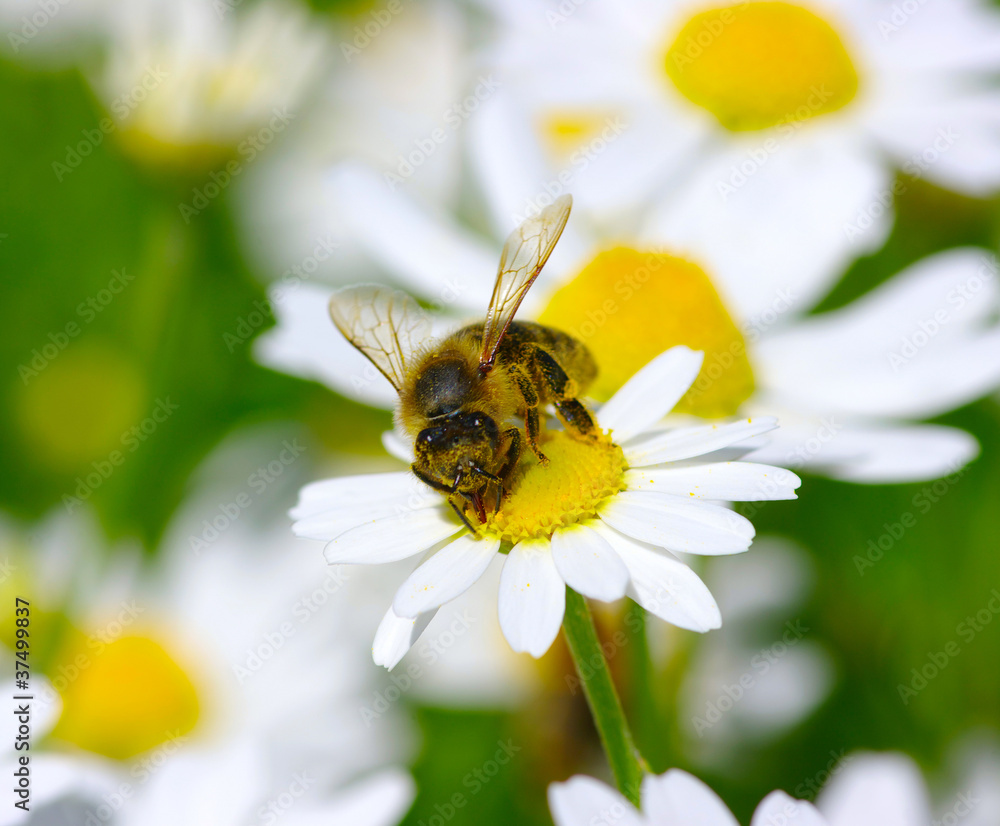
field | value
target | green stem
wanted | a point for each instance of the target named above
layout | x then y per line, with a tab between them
642	698
601	696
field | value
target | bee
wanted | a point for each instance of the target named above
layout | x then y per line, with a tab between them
458	395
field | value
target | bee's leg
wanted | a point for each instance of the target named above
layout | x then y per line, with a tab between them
532	427
497	480
427	479
562	388
513	452
461	514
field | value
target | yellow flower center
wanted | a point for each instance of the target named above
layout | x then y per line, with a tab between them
80	405
566	131
629	306
579	477
758	65
123	698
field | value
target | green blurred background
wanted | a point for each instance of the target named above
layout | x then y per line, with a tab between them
162	339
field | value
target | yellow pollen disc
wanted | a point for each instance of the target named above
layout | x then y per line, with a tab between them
628	307
564	132
758	65
580	476
81	404
123	698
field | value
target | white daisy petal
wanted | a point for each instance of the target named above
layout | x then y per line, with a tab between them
763	243
445	575
920	344
651	393
778	809
329	494
734	481
583	800
396	635
380	800
306	344
665	586
327	519
678	797
532	598
678	524
588	564
396	445
688	442
392	538
876	790
436	258
873	454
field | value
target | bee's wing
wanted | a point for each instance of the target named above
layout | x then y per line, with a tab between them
524	254
386	325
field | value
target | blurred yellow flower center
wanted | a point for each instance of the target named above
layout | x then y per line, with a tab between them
759	65
629	306
564	132
578	478
80	406
124	698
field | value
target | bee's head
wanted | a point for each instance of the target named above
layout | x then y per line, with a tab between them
457	444
444	386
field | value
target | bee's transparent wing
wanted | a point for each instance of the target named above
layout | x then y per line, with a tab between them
386	325
524	254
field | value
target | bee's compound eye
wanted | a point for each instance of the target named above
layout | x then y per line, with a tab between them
477	422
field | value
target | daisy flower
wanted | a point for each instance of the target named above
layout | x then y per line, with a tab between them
218	691
866	789
849	385
764	649
604	517
195	81
760	137
400	103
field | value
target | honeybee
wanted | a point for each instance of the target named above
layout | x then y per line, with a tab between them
457	395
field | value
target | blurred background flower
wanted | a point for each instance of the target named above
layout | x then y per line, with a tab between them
185	183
